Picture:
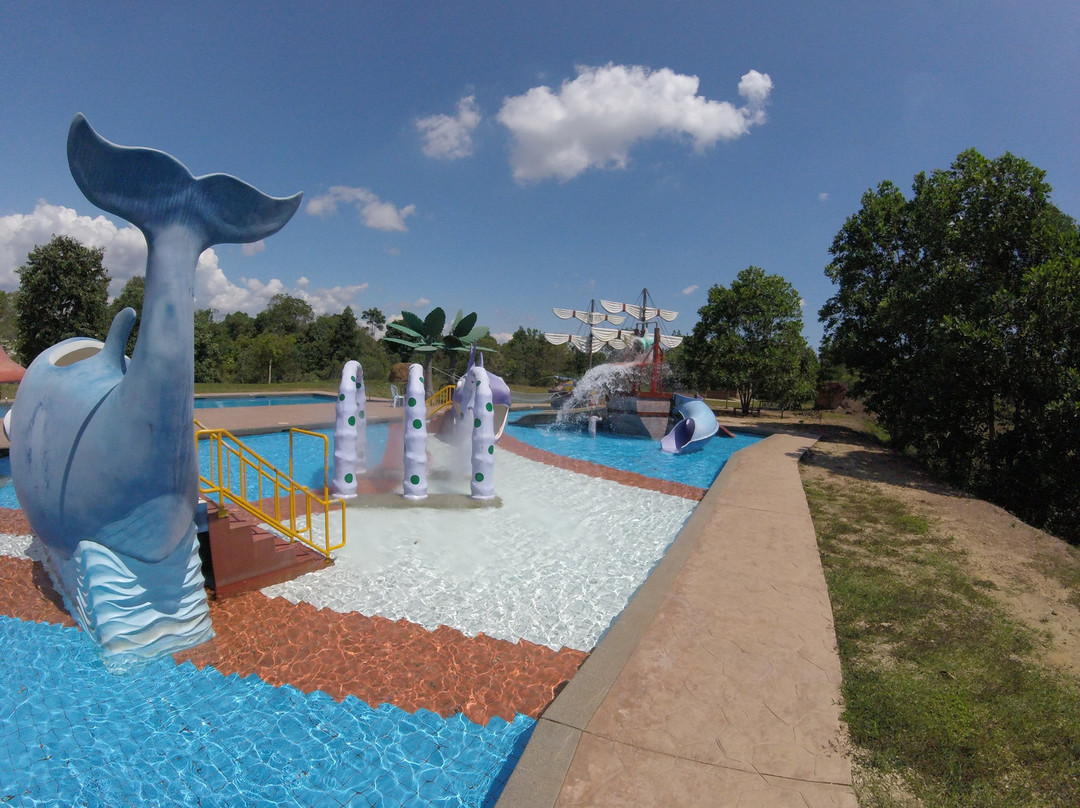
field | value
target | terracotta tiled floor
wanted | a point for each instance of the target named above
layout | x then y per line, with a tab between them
375	659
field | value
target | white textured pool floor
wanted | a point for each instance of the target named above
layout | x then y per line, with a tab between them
555	565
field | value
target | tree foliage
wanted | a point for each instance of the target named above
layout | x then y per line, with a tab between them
957	310
63	292
749	339
130	296
9	321
528	358
374	319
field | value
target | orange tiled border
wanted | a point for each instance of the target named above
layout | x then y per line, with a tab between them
375	659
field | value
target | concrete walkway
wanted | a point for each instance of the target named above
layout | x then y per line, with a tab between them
719	685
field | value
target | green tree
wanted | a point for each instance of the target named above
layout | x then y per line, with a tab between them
330	342
210	348
528	358
749	339
285	315
267	358
130	296
63	292
9	321
374	319
943	311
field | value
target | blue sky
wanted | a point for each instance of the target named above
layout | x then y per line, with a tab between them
509	157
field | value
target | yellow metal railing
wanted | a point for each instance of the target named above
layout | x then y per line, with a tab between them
441	399
236	472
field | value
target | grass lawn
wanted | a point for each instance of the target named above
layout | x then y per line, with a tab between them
948	699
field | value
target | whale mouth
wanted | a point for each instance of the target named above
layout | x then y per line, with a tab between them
74	350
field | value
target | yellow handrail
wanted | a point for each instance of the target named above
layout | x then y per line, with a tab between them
441	399
227	479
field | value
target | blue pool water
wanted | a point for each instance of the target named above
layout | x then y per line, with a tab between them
214	402
75	734
639	455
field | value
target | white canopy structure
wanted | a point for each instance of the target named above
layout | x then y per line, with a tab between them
615	314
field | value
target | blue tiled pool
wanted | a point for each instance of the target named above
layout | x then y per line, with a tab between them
639	455
165	734
216	402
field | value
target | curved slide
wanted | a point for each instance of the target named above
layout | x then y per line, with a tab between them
697	426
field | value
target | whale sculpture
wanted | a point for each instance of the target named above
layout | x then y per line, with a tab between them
103	456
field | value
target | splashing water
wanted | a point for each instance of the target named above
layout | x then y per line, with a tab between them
608	379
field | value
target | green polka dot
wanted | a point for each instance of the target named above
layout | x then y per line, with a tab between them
488	407
479	477
352	420
412	401
353	378
491	450
421	380
476	423
362	414
348	478
341	397
477	382
415	479
417	423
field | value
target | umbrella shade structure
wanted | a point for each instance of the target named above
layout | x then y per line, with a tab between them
10	370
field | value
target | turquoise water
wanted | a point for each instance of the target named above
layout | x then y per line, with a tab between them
214	402
74	734
639	455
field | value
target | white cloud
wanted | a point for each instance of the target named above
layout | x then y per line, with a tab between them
449	138
125	256
125	247
689	290
214	290
253	248
595	119
374	212
823	197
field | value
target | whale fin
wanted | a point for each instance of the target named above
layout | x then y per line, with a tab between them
112	353
117	179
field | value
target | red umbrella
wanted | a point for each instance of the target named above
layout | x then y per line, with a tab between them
10	371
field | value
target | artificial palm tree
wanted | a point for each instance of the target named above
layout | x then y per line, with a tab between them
426	336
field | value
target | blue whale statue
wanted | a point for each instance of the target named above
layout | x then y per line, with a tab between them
103	455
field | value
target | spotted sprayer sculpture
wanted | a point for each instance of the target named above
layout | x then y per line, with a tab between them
103	455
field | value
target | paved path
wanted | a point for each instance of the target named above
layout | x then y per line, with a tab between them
719	685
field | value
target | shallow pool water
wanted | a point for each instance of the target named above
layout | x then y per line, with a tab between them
214	402
177	735
639	455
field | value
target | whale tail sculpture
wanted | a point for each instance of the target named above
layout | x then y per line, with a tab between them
102	450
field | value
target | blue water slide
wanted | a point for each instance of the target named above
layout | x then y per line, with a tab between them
698	424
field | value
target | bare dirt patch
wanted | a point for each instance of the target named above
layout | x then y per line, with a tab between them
1033	574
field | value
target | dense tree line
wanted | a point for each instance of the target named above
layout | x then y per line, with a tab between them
749	339
286	342
958	310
